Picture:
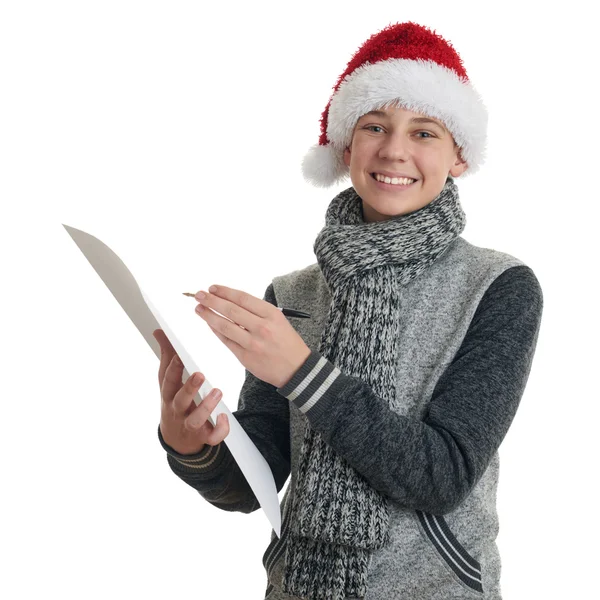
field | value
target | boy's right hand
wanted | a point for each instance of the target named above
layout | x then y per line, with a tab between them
183	425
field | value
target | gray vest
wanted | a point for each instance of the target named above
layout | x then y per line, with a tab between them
431	557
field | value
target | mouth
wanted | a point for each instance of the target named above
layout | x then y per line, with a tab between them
392	186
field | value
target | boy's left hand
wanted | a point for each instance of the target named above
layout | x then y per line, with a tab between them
258	333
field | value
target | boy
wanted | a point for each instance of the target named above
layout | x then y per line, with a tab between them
389	405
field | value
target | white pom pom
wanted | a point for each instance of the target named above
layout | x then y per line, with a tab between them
323	166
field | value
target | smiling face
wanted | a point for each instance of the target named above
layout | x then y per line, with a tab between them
391	141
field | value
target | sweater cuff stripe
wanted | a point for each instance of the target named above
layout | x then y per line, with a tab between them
316	383
203	462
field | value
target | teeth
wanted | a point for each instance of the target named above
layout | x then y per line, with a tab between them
395	180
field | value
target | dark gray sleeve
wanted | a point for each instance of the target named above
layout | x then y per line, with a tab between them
433	464
264	416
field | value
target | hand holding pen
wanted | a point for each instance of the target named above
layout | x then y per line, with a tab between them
288	312
264	343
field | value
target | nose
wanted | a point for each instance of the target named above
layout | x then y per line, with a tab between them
394	146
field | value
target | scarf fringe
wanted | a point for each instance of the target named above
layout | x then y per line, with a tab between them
322	571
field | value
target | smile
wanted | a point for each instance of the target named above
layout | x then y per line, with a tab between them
397	184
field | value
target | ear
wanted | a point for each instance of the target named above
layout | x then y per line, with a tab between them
347	153
460	165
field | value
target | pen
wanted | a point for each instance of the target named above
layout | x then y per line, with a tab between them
288	312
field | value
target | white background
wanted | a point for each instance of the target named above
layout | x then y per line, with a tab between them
174	132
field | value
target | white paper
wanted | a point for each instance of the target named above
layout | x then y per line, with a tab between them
146	318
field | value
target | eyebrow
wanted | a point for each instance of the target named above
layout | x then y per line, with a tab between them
380	113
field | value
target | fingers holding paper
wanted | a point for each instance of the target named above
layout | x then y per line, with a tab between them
183	425
257	333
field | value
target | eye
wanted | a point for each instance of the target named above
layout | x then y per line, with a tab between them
427	132
371	126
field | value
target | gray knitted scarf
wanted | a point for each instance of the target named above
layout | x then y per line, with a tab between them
337	519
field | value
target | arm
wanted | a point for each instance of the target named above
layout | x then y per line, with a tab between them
433	464
213	472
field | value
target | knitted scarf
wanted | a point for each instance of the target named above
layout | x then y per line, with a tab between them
337	519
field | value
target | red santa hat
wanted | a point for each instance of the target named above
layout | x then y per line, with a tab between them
405	65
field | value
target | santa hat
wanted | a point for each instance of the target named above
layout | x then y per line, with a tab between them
405	65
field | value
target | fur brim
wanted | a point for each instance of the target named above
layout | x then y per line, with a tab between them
417	85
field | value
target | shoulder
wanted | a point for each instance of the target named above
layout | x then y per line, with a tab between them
507	286
300	278
299	275
519	283
480	257
513	280
516	290
298	284
501	273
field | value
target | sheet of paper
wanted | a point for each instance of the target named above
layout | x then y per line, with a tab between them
146	318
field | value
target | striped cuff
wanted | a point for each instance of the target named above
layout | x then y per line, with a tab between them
312	384
205	461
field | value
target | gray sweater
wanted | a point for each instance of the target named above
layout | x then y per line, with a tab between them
469	329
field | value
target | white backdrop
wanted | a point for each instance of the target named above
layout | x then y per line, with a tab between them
174	132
